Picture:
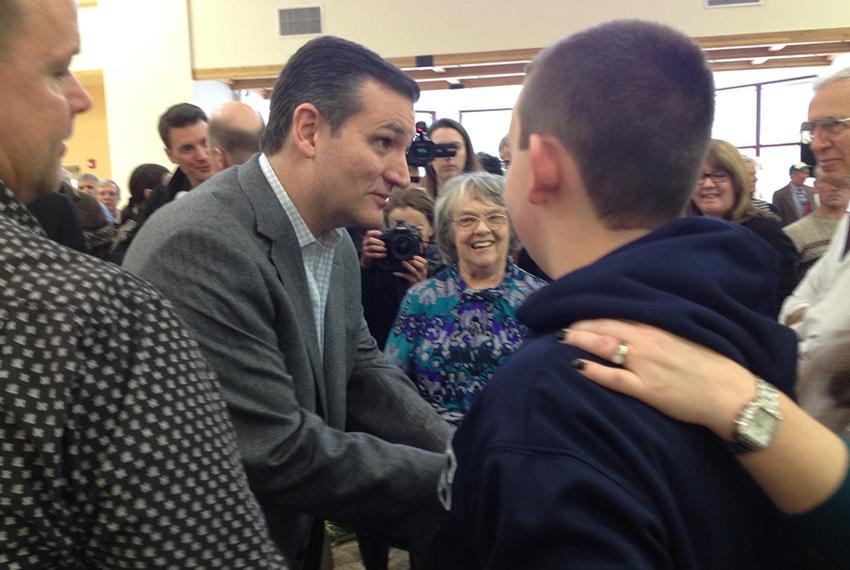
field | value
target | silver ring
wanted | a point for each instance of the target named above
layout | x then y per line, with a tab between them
619	356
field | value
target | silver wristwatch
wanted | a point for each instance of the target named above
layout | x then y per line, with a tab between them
758	422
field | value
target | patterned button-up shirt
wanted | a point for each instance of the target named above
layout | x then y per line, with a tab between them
116	450
450	338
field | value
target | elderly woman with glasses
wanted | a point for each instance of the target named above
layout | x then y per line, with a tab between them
454	329
723	191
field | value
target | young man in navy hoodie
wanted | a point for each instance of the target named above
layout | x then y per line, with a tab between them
549	470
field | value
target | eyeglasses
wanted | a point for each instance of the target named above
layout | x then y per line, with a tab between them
828	126
493	221
717	177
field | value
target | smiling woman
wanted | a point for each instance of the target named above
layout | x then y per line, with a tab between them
723	190
454	329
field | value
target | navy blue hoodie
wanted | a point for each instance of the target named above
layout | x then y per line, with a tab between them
554	471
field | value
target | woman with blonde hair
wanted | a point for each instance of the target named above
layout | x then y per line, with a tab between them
723	191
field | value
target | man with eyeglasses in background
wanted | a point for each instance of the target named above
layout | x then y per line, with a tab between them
819	309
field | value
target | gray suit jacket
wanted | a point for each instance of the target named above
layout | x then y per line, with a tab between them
785	202
339	437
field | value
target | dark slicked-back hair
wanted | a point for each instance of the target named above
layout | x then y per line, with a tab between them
10	21
329	72
179	116
144	177
634	103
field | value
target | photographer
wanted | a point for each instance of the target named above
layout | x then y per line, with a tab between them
386	275
444	168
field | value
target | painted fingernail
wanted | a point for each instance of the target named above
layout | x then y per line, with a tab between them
560	335
577	364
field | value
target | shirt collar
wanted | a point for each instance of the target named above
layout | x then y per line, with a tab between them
302	232
17	212
468	294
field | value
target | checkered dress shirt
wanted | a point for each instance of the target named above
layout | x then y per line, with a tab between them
317	252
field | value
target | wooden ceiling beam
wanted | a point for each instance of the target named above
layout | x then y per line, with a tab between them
720	54
804	48
775	38
467	71
771	64
410	62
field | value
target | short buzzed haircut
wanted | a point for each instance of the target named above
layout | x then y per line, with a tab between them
634	103
179	116
329	73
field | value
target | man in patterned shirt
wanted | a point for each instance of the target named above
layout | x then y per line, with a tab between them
115	446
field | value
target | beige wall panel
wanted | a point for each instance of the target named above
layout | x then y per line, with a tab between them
146	68
231	34
91	137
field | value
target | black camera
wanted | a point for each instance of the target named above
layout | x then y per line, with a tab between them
402	243
423	150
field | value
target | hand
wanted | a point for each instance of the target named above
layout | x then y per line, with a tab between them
795	317
372	247
416	269
681	379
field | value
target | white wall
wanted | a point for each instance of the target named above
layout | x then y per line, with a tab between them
208	95
226	33
147	68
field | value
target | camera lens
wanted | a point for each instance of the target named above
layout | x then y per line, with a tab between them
404	247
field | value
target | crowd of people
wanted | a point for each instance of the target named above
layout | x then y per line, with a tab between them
285	330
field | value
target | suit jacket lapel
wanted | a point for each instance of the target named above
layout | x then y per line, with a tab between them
335	325
285	255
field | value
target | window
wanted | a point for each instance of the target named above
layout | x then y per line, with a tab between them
487	128
763	121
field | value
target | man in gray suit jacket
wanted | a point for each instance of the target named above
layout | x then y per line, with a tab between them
796	199
257	265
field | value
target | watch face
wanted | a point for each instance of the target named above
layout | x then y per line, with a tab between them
760	429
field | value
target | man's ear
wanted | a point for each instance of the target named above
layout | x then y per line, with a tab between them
306	120
219	158
170	155
545	161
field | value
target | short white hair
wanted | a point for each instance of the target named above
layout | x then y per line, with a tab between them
840	75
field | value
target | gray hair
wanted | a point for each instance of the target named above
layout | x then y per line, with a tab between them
840	75
88	176
107	181
483	186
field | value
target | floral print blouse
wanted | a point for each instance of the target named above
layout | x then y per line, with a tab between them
450	339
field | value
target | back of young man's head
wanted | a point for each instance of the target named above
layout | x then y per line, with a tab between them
328	72
633	102
178	116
